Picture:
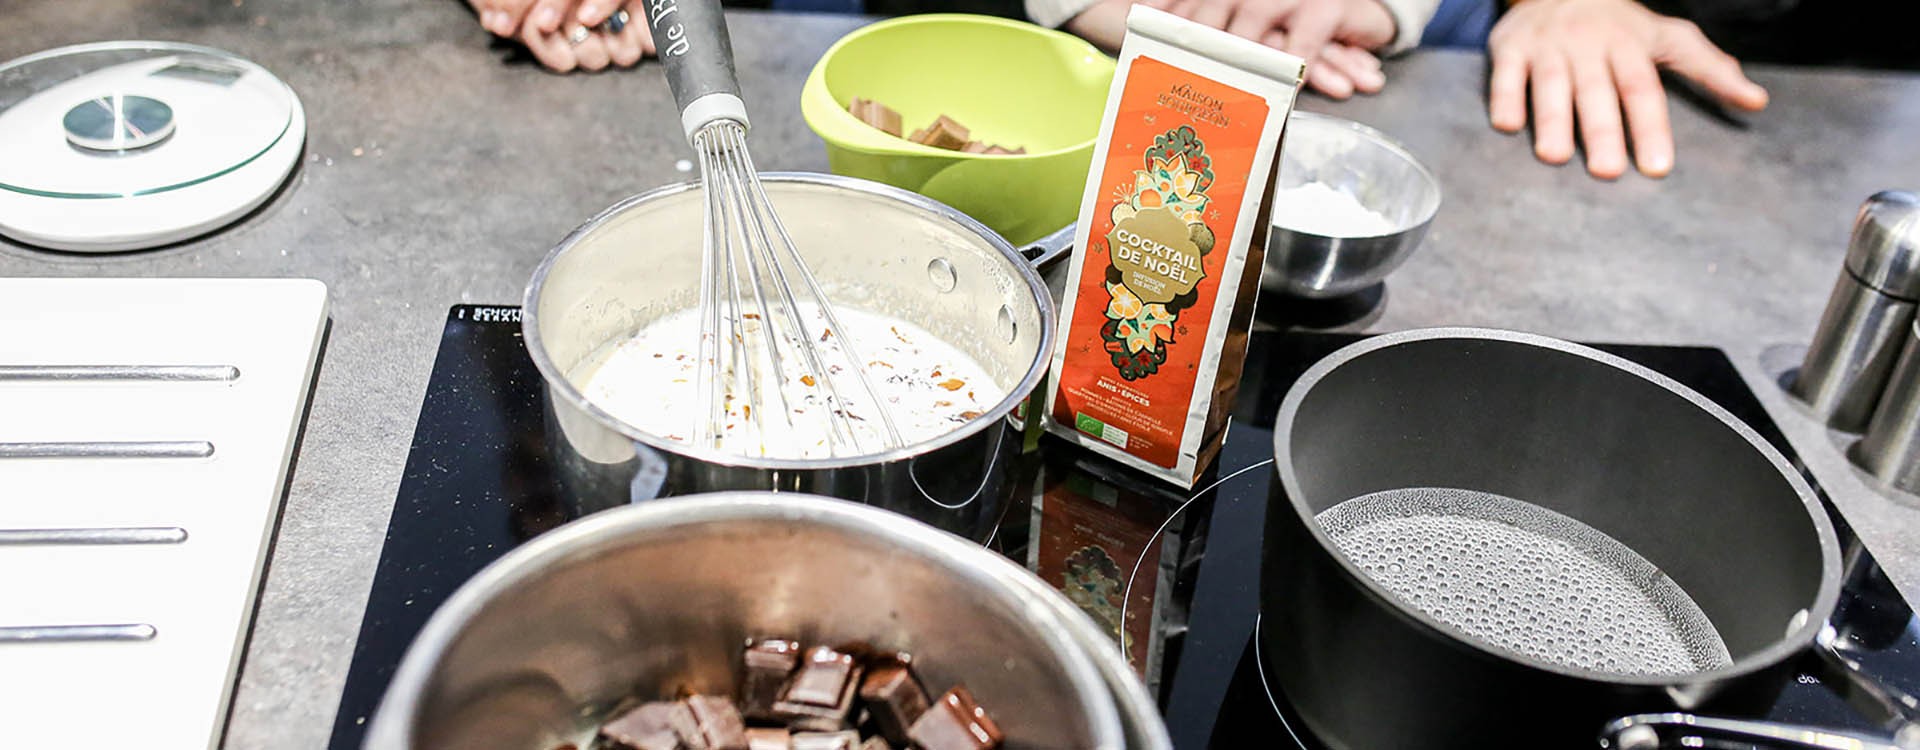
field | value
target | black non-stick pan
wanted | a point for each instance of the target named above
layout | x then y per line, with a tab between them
1491	539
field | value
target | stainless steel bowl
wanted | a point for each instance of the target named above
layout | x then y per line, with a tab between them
1368	165
535	650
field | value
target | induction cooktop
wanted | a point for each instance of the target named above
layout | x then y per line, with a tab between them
478	483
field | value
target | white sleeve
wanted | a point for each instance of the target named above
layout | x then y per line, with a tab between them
1053	13
1410	17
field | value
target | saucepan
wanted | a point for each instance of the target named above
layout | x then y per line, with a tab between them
871	246
1491	539
647	600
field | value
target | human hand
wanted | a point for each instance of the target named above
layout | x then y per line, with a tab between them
1593	58
1340	70
501	17
568	34
1301	27
1334	36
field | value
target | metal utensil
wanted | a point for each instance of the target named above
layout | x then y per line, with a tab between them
1865	323
763	314
649	599
1376	170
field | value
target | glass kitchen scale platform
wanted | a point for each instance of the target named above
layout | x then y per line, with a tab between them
129	145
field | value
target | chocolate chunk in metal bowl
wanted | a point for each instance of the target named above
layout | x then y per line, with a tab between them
674	601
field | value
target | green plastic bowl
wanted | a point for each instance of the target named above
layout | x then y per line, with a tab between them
1011	83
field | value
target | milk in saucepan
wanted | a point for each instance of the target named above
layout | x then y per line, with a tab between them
1527	580
651	381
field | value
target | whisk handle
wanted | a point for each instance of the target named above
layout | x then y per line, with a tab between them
691	36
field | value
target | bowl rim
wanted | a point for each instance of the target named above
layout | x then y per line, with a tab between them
1391	144
392	723
815	96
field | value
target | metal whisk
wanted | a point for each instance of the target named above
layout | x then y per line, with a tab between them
758	294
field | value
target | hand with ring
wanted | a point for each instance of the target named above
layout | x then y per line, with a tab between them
565	35
1340	39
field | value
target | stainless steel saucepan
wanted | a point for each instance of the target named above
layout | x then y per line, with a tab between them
646	600
871	246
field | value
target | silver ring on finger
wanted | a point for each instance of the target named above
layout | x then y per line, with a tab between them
576	35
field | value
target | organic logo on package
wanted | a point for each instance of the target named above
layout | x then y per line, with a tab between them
1159	236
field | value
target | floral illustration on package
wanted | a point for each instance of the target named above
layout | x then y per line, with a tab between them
1160	233
1095	584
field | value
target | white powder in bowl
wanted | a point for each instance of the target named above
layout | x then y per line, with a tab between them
1315	208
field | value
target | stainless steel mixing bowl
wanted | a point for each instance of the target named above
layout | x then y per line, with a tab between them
648	599
1364	163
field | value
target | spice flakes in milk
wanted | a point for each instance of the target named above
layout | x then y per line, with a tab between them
1171	238
930	387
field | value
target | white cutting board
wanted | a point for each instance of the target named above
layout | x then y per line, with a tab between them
169	691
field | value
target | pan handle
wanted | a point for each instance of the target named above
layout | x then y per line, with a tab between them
1650	731
1896	710
1051	249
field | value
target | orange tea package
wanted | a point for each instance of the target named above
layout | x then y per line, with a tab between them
1171	238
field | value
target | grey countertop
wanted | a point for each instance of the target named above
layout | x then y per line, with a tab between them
439	171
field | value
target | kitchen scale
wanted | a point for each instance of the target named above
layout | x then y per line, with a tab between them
479	482
129	145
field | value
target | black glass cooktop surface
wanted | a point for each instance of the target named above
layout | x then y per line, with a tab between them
478	483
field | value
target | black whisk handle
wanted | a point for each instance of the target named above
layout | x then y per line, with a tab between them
691	37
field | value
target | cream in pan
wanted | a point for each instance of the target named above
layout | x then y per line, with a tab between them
651	381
